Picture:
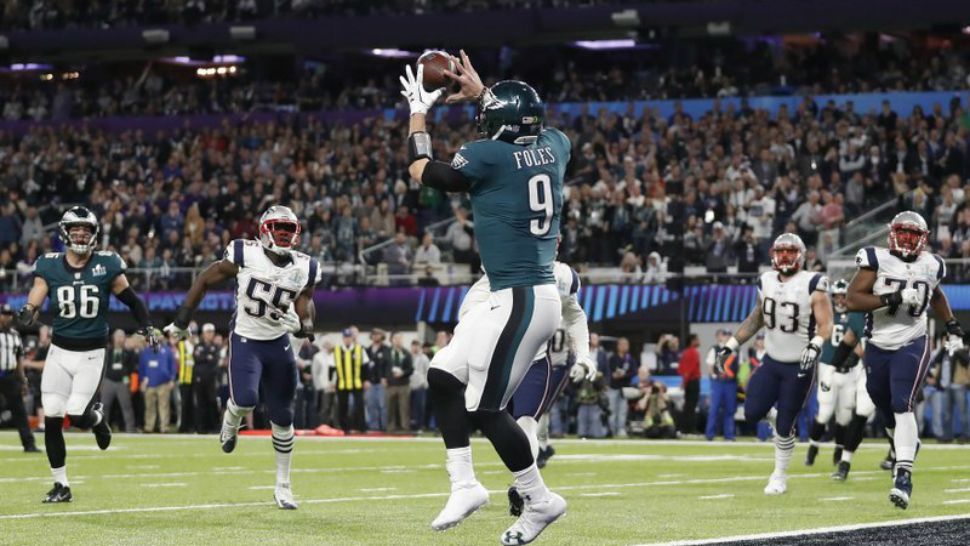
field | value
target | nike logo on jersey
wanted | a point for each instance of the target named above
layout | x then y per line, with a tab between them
286	348
496	307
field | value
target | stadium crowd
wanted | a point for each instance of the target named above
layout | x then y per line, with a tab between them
722	186
731	69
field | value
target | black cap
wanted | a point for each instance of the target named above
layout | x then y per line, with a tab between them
5	309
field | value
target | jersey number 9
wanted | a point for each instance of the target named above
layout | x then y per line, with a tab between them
89	301
540	200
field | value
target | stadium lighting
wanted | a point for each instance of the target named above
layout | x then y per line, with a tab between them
393	53
19	67
625	43
966	30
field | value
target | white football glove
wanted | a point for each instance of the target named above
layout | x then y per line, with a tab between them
911	296
809	358
953	343
583	369
178	333
291	322
419	100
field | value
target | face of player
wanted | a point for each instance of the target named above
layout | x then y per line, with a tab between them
786	258
284	233
838	301
80	235
908	239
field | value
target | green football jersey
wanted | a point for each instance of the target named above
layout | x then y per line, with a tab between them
79	297
516	197
842	323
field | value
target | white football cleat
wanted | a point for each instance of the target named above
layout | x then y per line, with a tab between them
228	434
777	484
465	499
536	516
283	496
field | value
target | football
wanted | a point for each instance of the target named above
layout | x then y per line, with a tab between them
435	63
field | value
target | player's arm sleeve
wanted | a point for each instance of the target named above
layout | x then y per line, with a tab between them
866	258
442	176
137	306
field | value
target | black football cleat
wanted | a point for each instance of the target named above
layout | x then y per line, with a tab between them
544	456
889	462
842	473
810	456
837	455
515	502
59	493
102	432
902	489
31	448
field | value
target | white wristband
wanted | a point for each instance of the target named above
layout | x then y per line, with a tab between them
818	341
732	344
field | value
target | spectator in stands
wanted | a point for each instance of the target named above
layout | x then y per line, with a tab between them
324	384
9	225
655	406
590	407
749	252
399	387
378	368
427	253
459	237
724	390
719	252
950	375
599	355
808	217
158	371
32	228
623	368
668	354
689	370
398	258
418	382
119	365
656	272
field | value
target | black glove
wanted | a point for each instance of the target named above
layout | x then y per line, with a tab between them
953	328
149	334
721	356
305	331
27	315
810	356
892	301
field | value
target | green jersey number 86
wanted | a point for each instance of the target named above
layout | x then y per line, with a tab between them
540	200
89	301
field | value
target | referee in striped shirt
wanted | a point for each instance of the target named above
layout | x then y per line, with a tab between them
13	381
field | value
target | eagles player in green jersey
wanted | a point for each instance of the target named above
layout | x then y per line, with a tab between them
842	385
79	282
514	178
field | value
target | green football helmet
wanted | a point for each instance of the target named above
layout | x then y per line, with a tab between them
511	111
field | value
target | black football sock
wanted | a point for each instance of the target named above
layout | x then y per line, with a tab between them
54	441
840	435
507	437
818	430
447	396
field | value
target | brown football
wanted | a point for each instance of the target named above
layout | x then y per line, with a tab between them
435	63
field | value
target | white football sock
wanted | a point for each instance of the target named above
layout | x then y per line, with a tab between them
531	429
543	434
235	414
283	444
784	448
60	475
905	438
846	456
529	484
459	465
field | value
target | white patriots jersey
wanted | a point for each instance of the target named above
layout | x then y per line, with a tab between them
567	284
786	308
892	331
265	291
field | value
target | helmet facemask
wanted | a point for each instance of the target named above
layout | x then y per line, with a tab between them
279	235
80	237
907	240
786	259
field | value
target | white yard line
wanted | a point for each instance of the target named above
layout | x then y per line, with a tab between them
603	494
721	496
608	486
957	501
817	531
835	499
958	490
377	489
262	487
167	484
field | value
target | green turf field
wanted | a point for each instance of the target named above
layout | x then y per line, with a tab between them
184	490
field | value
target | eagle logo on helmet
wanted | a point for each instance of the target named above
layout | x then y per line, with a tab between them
787	253
279	230
79	242
908	233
